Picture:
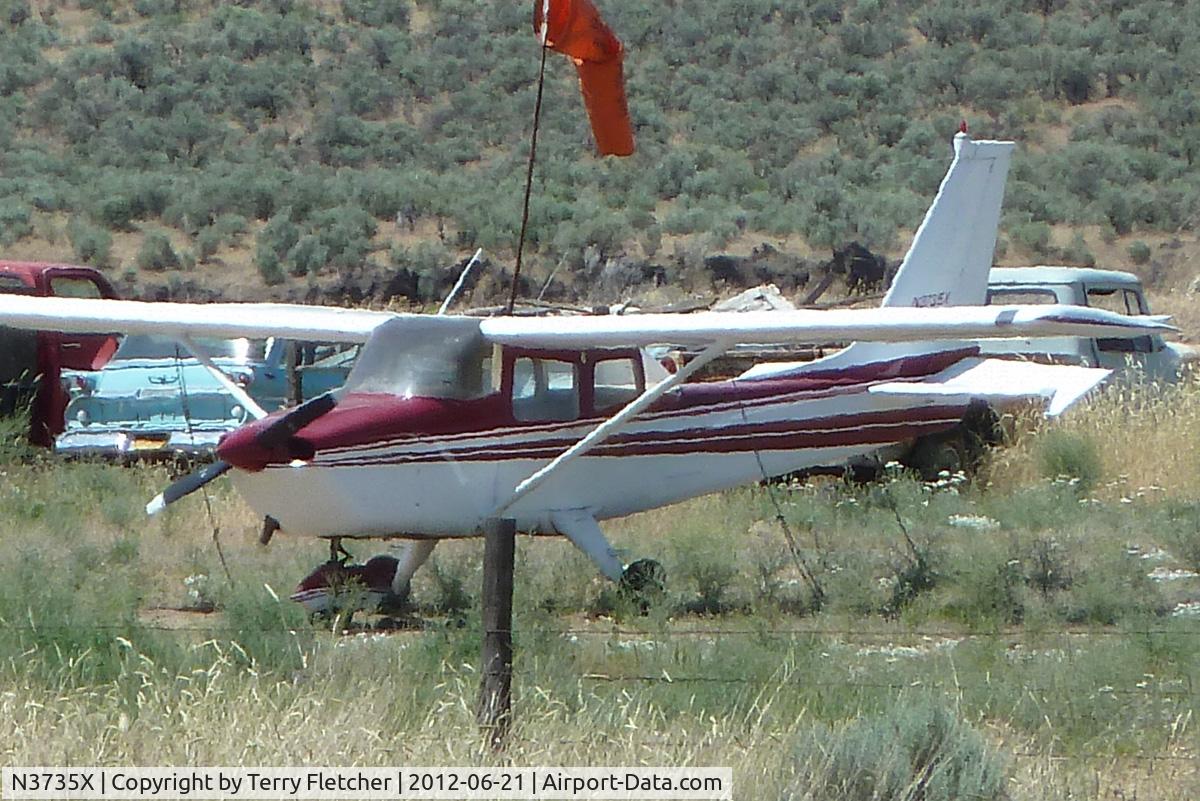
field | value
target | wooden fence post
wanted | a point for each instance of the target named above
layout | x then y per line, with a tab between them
495	695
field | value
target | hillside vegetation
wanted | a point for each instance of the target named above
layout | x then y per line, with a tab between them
259	148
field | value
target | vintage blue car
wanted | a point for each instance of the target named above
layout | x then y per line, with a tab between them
154	400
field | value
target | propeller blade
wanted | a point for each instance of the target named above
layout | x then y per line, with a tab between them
287	425
269	527
187	485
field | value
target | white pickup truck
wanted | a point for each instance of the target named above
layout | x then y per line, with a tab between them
1148	358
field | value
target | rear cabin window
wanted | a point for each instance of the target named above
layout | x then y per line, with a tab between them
545	390
1020	297
1121	301
615	384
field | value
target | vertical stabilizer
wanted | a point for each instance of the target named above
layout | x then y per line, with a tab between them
949	260
951	254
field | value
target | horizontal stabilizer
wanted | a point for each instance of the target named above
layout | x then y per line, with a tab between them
995	380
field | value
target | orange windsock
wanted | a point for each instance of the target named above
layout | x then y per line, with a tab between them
574	27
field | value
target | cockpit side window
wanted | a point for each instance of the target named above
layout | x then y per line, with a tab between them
545	389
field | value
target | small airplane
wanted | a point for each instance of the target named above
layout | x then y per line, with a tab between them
558	423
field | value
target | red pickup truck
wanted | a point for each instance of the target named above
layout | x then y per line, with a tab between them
31	362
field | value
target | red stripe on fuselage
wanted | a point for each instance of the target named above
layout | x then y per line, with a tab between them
873	428
376	421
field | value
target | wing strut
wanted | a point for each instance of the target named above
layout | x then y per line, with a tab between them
462	279
609	426
248	403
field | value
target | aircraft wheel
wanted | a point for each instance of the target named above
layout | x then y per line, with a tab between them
644	582
335	619
394	604
931	456
961	449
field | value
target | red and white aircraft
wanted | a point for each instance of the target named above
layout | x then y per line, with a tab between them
561	422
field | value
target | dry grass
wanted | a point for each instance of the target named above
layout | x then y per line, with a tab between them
1089	709
1147	437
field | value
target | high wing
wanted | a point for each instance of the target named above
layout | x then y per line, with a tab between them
261	320
185	320
808	326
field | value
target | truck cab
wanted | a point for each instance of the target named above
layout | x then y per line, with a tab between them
1147	357
31	362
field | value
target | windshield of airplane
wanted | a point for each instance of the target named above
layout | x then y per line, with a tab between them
425	357
147	346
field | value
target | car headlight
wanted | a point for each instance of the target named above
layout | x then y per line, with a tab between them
236	412
75	385
82	417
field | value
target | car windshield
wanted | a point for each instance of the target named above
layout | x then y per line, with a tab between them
146	346
1117	299
427	357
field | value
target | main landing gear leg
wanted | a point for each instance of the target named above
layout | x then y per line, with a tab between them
411	555
643	581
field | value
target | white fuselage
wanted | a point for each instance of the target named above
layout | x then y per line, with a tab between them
445	486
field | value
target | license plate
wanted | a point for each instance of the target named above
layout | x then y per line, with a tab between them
148	443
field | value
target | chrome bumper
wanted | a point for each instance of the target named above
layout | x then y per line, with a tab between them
137	444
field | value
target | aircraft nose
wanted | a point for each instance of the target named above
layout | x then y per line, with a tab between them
251	448
273	440
242	450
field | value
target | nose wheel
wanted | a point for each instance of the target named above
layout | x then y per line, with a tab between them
338	554
334	591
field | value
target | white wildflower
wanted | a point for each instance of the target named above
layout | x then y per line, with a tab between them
977	522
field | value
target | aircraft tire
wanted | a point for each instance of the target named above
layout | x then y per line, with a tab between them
961	449
941	453
644	583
